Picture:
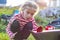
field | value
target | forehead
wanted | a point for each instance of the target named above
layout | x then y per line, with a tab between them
31	10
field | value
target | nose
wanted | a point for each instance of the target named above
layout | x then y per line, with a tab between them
29	15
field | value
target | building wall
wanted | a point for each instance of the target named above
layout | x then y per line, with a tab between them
42	4
54	3
3	3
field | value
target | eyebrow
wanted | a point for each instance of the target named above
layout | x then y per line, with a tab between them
31	11
31	8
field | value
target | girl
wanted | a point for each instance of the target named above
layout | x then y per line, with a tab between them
21	25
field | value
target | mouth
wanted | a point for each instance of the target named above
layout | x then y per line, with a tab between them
28	18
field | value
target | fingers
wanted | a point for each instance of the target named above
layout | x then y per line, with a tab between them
13	35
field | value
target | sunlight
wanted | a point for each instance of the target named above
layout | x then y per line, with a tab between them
15	2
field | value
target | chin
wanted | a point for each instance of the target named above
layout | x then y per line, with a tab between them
28	17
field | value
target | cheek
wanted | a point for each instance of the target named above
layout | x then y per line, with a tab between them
25	14
29	16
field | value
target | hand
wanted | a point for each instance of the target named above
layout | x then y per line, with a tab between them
12	36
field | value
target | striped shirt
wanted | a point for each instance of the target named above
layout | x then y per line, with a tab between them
22	22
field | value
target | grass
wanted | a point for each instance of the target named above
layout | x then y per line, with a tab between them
4	36
31	37
6	11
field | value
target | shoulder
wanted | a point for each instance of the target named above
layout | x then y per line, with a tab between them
15	21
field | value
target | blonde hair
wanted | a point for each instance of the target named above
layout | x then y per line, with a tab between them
30	4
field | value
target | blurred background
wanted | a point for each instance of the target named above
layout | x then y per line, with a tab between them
48	14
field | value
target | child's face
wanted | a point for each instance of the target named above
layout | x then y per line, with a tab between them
28	13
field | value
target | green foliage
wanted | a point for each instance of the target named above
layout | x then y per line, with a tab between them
6	10
41	21
2	26
4	36
31	37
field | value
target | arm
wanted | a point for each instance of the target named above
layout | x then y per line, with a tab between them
9	31
12	28
35	26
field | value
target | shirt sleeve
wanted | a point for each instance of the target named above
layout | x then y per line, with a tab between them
8	30
35	26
